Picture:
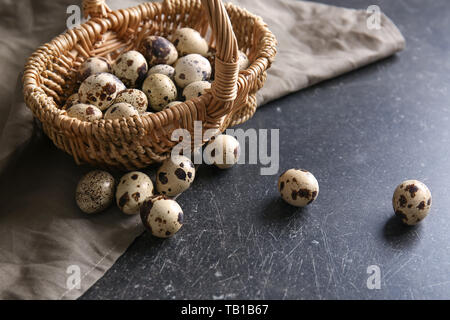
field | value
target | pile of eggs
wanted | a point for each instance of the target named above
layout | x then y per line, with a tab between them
159	75
136	193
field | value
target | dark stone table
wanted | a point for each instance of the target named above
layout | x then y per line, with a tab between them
360	134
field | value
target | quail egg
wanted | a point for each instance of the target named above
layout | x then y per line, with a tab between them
191	68
164	69
223	151
411	201
120	110
163	217
100	90
196	89
244	63
135	97
85	112
188	41
158	50
71	101
160	90
92	66
95	191
175	175
131	68
173	103
132	190
298	187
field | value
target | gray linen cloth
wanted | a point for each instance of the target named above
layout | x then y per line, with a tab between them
43	236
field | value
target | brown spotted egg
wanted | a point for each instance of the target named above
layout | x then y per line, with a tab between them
100	90
164	69
188	41
95	191
223	151
131	68
135	97
92	66
175	175
160	90
132	190
158	50
411	201
196	89
244	63
191	68
298	187
85	112
71	101
163	217
120	110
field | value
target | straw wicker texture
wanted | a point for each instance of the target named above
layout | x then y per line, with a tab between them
135	142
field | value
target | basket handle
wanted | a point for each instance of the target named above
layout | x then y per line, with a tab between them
95	8
224	87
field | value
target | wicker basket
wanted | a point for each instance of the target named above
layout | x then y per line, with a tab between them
135	142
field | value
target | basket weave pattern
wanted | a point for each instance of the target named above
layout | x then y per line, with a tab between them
135	142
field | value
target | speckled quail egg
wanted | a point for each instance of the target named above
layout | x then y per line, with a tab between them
95	191
92	66
132	190
120	110
173	103
131	68
196	89
244	63
188	41
160	90
411	201
100	90
175	175
135	97
85	112
163	217
191	68
223	151
164	69
298	187
158	50
71	101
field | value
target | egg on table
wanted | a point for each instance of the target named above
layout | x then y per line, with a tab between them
196	89
188	41
95	191
411	201
192	68
163	217
100	90
175	175
85	112
120	110
160	90
158	50
131	68
298	187
133	189
223	151
164	69
135	97
92	66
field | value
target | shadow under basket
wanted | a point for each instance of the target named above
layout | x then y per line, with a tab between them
136	142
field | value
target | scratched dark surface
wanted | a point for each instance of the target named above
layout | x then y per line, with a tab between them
361	135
